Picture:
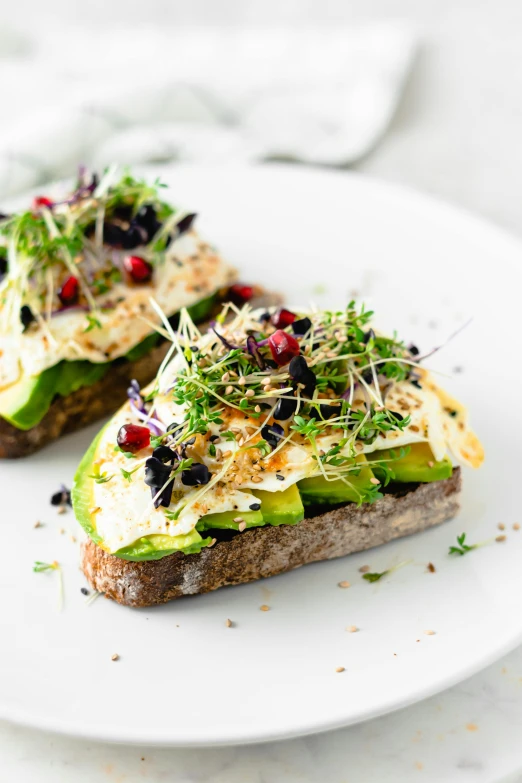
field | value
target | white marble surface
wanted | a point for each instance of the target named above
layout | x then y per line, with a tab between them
457	134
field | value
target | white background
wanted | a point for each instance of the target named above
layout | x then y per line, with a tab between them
457	134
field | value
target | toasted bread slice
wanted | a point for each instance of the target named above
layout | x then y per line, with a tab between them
90	403
266	551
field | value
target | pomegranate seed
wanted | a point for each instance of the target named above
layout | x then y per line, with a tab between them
283	347
283	318
68	293
139	270
132	437
42	201
240	293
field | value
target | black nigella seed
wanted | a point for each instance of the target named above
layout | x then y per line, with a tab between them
185	224
26	316
369	335
416	384
453	414
255	506
84	591
214	438
264	316
279	477
285	408
367	376
122	212
61	498
196	475
3	267
413	350
302	326
397	415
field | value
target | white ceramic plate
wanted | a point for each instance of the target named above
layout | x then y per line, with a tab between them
183	678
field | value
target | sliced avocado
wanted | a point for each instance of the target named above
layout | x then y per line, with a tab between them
82	491
418	465
281	508
319	490
226	520
21	404
24	404
156	546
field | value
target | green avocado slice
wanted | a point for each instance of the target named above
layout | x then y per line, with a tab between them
418	465
281	508
319	490
24	404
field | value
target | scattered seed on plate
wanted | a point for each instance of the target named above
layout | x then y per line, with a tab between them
84	591
229	623
115	657
340	669
73	539
38	523
431	568
352	628
264	608
363	569
429	633
344	584
61	510
500	538
501	526
516	526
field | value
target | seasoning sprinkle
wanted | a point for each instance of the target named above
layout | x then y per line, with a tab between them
229	623
429	633
501	526
344	584
516	526
115	657
500	538
264	608
340	669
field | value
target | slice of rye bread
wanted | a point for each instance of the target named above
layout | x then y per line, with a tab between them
266	551
90	403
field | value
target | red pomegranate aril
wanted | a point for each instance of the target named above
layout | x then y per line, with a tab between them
42	201
283	347
283	318
240	293
69	292
138	269
132	437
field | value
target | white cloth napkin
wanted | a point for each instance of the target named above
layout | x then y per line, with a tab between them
194	95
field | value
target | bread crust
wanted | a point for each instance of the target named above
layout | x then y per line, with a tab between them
267	551
90	403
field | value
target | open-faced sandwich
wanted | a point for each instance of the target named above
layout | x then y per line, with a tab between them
276	439
76	277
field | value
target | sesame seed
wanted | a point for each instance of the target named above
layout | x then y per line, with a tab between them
225	377
363	569
242	380
500	538
38	524
242	526
267	389
431	568
516	526
429	633
264	608
229	623
352	628
249	393
115	657
344	584
257	409
358	446
256	479
340	669
212	542
238	519
430	464
342	338
73	539
331	354
61	531
227	454
61	510
374	481
229	390
501	526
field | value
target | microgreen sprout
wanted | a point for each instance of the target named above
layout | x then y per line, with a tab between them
377	575
463	548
